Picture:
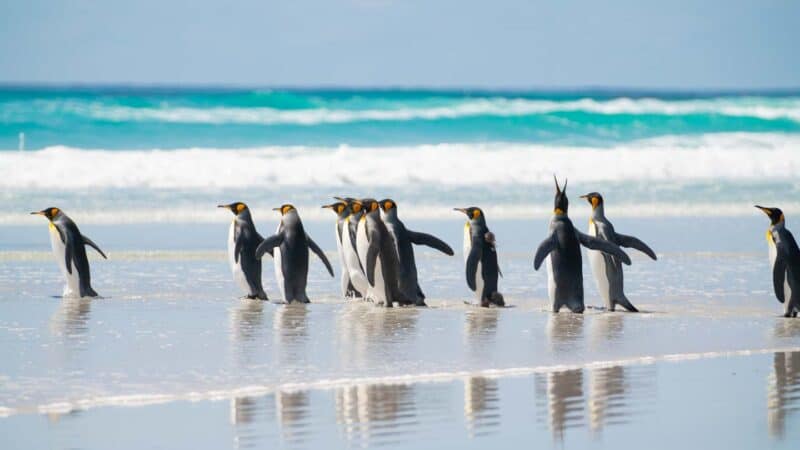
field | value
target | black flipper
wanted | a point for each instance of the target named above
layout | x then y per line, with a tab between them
635	243
315	248
259	240
372	258
89	242
268	244
547	246
431	241
604	246
779	277
475	254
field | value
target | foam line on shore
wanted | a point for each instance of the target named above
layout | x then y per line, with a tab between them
132	400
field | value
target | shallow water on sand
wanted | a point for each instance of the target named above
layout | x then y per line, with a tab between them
172	338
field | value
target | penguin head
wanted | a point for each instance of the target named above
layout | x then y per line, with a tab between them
52	213
775	214
594	199
474	214
286	208
389	207
340	208
561	203
370	205
236	208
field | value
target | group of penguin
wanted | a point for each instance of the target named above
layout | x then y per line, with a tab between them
376	253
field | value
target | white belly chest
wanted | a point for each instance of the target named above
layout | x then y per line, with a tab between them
236	267
787	291
598	265
276	257
352	261
73	282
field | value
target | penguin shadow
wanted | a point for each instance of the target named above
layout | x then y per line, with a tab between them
480	329
371	413
783	392
290	322
481	323
71	319
248	318
607	328
564	330
786	328
293	410
560	400
481	406
621	311
246	415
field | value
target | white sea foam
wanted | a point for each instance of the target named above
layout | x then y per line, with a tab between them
769	109
738	156
63	407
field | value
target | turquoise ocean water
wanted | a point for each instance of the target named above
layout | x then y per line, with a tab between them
118	154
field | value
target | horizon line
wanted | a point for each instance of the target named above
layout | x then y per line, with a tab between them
238	87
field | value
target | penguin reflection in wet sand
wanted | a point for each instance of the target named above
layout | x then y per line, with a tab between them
784	257
480	257
404	238
607	269
342	210
378	254
562	248
243	239
290	247
69	248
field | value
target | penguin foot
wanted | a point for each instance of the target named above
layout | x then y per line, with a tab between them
576	309
625	303
497	299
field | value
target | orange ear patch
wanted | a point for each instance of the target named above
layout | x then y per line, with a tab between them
240	207
595	202
476	213
388	205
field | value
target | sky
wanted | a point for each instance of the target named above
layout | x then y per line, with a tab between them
676	44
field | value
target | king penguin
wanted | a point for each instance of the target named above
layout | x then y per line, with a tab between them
243	239
357	276
784	257
378	254
69	248
607	269
341	228
480	258
404	238
562	248
291	245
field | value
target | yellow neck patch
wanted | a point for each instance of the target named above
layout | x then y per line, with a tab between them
558	211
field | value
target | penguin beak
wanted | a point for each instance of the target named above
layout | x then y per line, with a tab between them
327	206
765	210
38	213
586	196
277	209
218	206
461	210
